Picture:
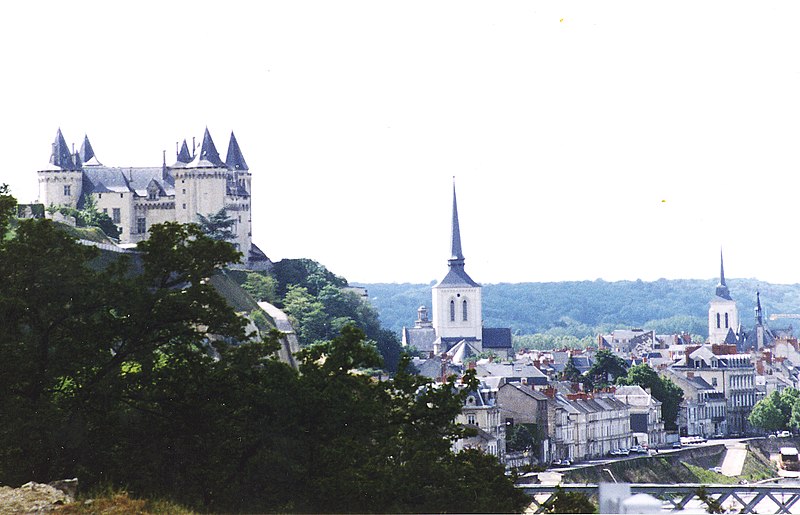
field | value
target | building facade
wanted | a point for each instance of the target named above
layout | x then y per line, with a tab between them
199	183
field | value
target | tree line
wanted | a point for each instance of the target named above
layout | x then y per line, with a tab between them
134	372
583	309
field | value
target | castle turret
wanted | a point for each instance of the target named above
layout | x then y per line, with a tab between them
61	182
238	201
200	185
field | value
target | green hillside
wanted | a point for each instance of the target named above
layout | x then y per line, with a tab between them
584	308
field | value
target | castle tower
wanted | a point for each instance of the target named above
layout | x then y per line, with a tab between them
723	316
457	312
200	184
238	202
61	183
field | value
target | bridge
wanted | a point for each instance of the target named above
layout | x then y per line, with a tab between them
769	498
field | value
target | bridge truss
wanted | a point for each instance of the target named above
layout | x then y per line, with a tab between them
776	498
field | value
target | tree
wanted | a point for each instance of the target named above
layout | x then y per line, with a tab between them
767	413
134	371
777	411
7	206
520	437
605	370
662	388
217	226
262	287
571	372
569	502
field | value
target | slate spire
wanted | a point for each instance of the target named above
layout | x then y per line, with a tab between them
87	152
208	152
235	159
759	311
61	155
722	288
184	156
455	233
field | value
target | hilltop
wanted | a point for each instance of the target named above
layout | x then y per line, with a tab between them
585	308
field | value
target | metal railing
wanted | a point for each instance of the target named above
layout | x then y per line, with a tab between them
776	498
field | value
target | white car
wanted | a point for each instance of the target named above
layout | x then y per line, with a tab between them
784	434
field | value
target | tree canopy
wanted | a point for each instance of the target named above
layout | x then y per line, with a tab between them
777	411
135	372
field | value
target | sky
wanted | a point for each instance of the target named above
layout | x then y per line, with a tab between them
588	140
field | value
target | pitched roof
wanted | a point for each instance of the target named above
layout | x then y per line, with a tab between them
496	338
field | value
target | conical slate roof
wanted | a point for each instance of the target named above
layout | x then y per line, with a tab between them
61	155
87	153
208	155
722	288
456	276
235	159
184	156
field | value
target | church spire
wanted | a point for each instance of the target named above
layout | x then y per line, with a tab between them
722	288
759	311
456	275
455	233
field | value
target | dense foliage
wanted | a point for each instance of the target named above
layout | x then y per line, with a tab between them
582	309
319	304
778	411
111	376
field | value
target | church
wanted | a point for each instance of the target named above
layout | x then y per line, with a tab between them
456	329
199	182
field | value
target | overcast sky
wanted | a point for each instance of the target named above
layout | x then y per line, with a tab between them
613	140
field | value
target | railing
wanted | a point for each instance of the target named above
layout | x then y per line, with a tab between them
740	498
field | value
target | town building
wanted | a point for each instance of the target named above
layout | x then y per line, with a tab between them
481	413
729	373
199	183
647	426
702	412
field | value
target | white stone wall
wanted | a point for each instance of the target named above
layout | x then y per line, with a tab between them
51	187
445	328
199	190
722	307
107	202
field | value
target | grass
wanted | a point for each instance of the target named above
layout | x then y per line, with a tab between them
120	502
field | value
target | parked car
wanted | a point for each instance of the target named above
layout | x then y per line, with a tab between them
718	470
784	434
677	445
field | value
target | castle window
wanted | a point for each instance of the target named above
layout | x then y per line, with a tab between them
152	195
452	311
99	195
184	206
105	210
464	310
718	321
121	195
67	191
141	225
726	320
471	419
115	216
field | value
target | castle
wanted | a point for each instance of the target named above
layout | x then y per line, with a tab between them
135	198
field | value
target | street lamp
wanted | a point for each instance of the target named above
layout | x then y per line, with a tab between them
610	474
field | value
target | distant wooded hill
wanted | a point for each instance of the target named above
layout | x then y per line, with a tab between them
585	308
